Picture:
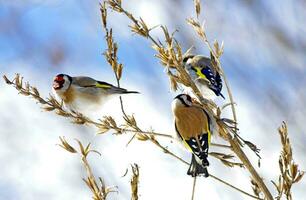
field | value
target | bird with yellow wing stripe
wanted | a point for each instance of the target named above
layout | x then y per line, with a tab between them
193	128
206	78
84	88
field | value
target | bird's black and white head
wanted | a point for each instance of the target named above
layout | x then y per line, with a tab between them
62	82
187	60
181	100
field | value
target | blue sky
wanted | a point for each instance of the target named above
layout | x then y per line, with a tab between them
264	60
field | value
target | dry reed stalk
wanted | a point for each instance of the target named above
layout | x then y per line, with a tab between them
289	171
193	187
234	141
99	189
134	182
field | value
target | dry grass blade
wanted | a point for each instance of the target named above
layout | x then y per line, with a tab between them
7	81
218	49
257	191
197	5
103	14
108	123
98	189
226	159
134	181
112	47
197	27
65	145
289	171
115	5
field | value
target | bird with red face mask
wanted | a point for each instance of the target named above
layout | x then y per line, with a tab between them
70	89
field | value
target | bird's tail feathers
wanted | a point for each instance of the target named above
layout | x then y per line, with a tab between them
222	95
131	92
196	169
117	90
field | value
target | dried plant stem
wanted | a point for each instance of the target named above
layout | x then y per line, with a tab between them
244	159
135	21
230	185
171	137
99	191
90	175
229	92
236	147
221	145
210	175
193	187
166	151
151	133
134	182
235	143
290	173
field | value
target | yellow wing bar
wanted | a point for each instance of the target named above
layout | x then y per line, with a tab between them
102	85
199	73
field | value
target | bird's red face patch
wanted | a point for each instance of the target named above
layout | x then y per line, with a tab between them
58	82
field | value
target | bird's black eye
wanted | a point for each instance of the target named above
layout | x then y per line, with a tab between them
188	98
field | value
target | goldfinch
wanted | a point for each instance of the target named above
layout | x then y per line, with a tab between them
206	78
192	125
70	89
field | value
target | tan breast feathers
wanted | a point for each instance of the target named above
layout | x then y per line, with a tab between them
190	121
69	95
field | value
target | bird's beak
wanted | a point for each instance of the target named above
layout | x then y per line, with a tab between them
58	82
56	85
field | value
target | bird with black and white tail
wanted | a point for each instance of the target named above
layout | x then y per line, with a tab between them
193	129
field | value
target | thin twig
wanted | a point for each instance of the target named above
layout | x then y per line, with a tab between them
210	175
193	187
216	178
230	185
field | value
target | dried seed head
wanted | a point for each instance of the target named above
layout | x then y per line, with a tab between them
65	145
134	181
7	81
197	6
289	172
103	11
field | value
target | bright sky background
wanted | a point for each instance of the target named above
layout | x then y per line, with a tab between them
264	60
